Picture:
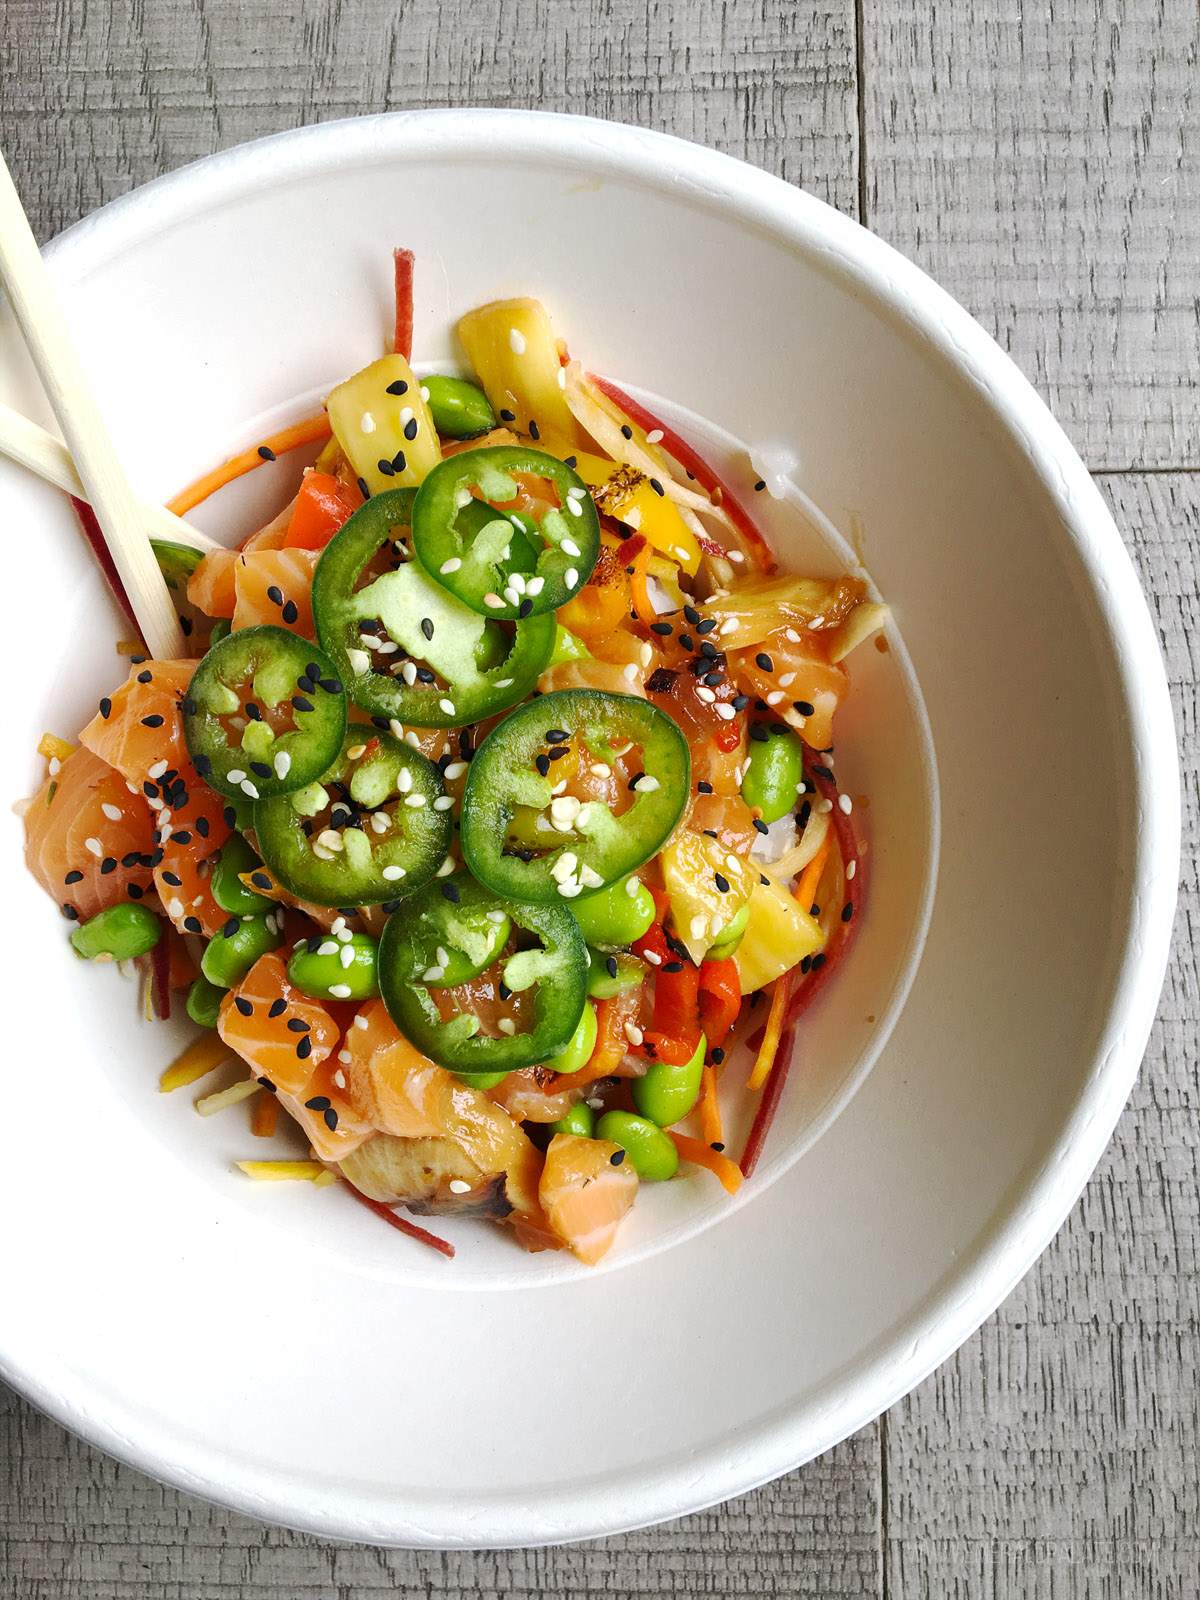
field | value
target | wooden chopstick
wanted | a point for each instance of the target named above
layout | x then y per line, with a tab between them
44	327
24	442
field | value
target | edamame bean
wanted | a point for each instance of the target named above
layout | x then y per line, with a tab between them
614	916
652	1152
204	1002
227	959
220	628
230	893
667	1092
609	974
731	936
331	976
120	932
580	1120
459	409
481	1080
773	773
583	1041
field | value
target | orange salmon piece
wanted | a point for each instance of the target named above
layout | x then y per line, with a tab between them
287	1056
584	1196
290	574
82	821
211	587
140	724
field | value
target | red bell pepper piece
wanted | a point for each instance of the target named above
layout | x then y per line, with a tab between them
675	1028
720	999
323	504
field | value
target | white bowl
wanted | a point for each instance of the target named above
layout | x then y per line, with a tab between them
272	1347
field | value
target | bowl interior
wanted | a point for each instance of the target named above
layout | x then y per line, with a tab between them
211	306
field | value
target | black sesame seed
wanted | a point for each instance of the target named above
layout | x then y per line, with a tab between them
192	925
617	1157
610	966
202	764
298	1025
626	430
710	833
319	1102
185	626
559	751
758	730
154	721
156	858
665	628
760	486
363	490
277	1008
230	928
763	660
713	679
707	625
275	595
201	826
425	676
704	787
136	661
299	703
721	881
381	722
542	763
386	468
304	1048
331	1119
135	891
229	815
803	814
717	1146
571	461
399	387
70	913
557	736
144	677
332	685
766	882
656	486
760	825
709	650
77	877
389	906
818	961
171	878
525	609
253	712
508	416
804	707
717	1054
266	452
243	1005
635	780
533	429
672	966
847	911
685	641
450	892
427	627
410	429
260	880
823	772
268	1086
505	992
400	460
109	864
290	611
260	769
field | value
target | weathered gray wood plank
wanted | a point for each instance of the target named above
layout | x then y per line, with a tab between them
1043	163
1055	1455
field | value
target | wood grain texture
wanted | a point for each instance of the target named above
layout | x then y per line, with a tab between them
1055	1455
1042	162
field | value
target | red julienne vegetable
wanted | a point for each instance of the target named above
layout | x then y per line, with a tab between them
91	528
389	1216
160	967
699	469
404	303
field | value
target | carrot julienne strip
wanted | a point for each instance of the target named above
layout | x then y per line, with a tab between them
700	1155
196	1061
301	433
402	1225
710	1106
785	986
266	1117
95	537
641	592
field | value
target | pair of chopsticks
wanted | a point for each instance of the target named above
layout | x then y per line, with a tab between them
86	465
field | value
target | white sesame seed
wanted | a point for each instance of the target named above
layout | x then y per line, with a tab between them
371	641
404	781
446	867
249	788
356	752
511	595
846	804
790	633
346	955
447	706
343	1056
645	655
396	729
823	807
535	586
504	683
507	1026
433	974
447	567
113	813
730	625
406	415
570	548
652	958
576	492
282	764
634	1034
726	712
715	925
630	672
367	423
494	601
654	436
443	802
456	1185
455	770
735	556
562	377
699	926
408	671
632	885
416	801
516	341
235	775
679	552
572	577
157	770
645	785
775	696
851	869
411	738
388	647
361	1022
338	924
424	392
817	622
600	769
787	679
393	873
703	692
734	865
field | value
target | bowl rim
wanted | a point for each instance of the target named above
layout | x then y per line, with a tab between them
982	1278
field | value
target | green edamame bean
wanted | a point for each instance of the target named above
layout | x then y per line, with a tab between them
120	932
603	983
731	936
227	960
230	893
220	628
580	1120
667	1092
583	1041
204	1002
652	1152
615	916
459	409
331	976
481	1080
773	773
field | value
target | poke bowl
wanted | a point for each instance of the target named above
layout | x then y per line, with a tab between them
947	1094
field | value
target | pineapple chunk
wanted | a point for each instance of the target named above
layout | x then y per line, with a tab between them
373	418
700	911
778	935
511	345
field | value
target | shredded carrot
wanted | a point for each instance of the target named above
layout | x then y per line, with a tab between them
301	433
806	884
641	593
806	888
266	1116
130	647
52	747
710	1106
700	1155
195	1062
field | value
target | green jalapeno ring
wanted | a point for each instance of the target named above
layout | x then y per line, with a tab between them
556	969
504	774
427	620
478	560
280	668
373	772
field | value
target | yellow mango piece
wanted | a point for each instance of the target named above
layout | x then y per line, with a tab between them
699	909
511	345
373	424
625	493
778	935
286	1171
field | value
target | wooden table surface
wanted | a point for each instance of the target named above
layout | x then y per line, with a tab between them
1042	161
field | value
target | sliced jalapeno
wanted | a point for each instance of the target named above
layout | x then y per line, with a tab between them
583	846
404	645
264	713
498	560
375	828
544	985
